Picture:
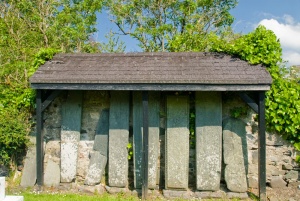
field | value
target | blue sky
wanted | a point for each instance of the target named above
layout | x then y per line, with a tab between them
280	16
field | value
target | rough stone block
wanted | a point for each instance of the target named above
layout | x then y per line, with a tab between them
70	135
96	168
287	167
101	137
231	195
52	174
118	138
253	182
29	172
208	140
177	142
177	194
277	182
209	195
235	154
292	175
153	148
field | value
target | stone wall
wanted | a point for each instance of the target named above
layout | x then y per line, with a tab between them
282	170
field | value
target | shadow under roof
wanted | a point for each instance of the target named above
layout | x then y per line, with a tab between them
187	71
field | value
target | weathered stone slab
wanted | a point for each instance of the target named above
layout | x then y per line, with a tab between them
29	172
83	159
235	154
52	174
96	168
101	137
153	147
208	140
118	138
70	135
177	142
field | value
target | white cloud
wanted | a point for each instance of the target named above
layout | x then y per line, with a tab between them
288	32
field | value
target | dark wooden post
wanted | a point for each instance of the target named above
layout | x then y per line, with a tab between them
39	140
262	147
145	145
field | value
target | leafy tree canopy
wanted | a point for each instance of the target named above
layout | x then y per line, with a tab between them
157	25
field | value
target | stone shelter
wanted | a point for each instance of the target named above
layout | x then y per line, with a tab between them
146	96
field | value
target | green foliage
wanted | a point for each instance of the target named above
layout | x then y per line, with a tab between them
283	100
162	25
31	32
130	151
238	112
13	139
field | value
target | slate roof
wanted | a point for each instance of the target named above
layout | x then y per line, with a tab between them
142	70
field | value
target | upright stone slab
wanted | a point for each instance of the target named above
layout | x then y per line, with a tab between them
177	142
52	174
208	124
153	147
96	168
29	172
118	138
101	137
70	135
235	154
98	159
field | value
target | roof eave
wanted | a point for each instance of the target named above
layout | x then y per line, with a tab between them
152	87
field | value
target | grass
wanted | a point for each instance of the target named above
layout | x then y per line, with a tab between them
33	196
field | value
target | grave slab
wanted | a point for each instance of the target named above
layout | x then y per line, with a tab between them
235	154
177	143
118	138
96	168
70	135
52	174
101	137
29	172
208	140
153	147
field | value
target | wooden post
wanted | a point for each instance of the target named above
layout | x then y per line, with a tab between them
262	147
39	139
145	145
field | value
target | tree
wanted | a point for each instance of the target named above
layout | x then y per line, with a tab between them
32	31
156	24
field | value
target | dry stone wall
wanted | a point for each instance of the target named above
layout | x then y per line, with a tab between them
282	170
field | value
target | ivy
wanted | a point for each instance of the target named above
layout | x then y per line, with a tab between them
283	100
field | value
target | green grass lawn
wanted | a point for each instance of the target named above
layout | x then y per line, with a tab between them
31	196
